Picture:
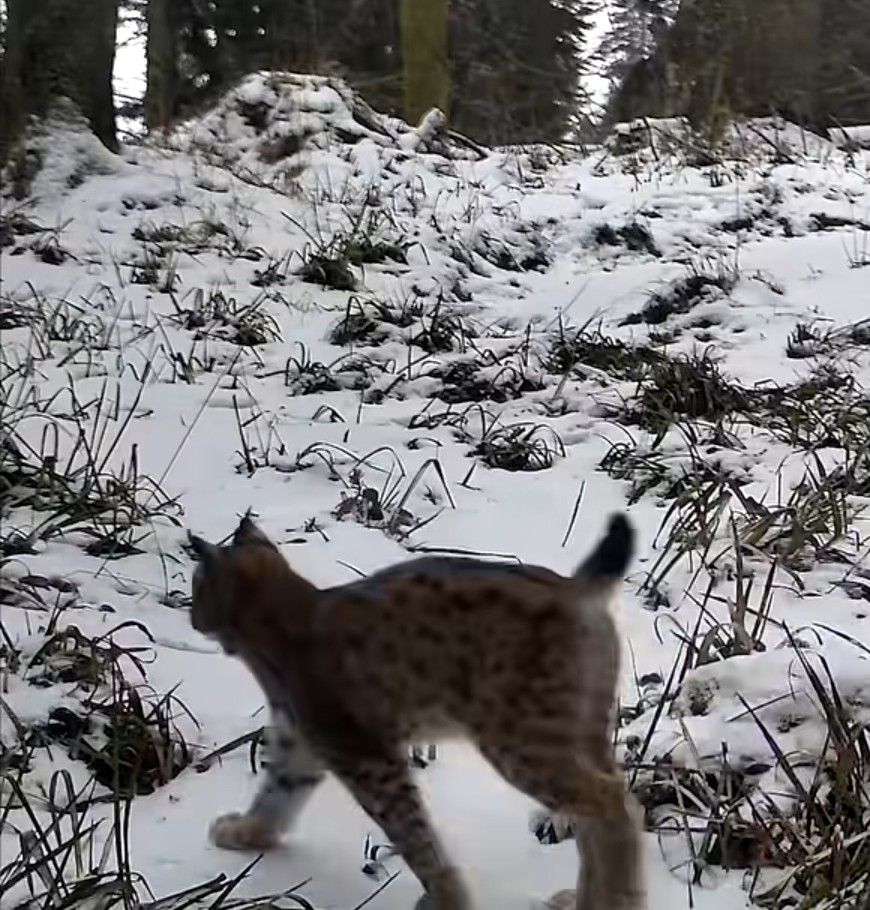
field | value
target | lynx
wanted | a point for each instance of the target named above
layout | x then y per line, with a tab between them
518	659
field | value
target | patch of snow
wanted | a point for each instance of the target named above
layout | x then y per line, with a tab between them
851	137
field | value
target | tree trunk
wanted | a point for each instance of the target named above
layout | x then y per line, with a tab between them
423	25
161	89
746	57
59	48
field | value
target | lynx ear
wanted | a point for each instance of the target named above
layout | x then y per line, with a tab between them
248	532
205	552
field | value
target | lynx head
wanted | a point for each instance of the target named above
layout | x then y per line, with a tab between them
232	582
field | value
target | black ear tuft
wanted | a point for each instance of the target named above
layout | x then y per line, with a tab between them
204	551
248	532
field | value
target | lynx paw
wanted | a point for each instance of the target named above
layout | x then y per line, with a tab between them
562	900
242	832
448	893
567	900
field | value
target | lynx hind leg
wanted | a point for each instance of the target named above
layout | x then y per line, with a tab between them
384	789
292	773
611	853
594	798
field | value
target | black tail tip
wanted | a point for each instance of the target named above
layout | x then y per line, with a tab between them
614	553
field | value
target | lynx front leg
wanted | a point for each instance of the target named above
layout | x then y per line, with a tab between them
292	773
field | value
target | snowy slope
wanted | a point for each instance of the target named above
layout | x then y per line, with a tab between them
172	299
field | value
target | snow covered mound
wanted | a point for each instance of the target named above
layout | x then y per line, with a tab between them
273	123
768	703
56	155
851	137
756	140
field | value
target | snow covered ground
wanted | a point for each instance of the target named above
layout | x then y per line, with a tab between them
294	299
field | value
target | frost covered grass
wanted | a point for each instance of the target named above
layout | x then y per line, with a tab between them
387	342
